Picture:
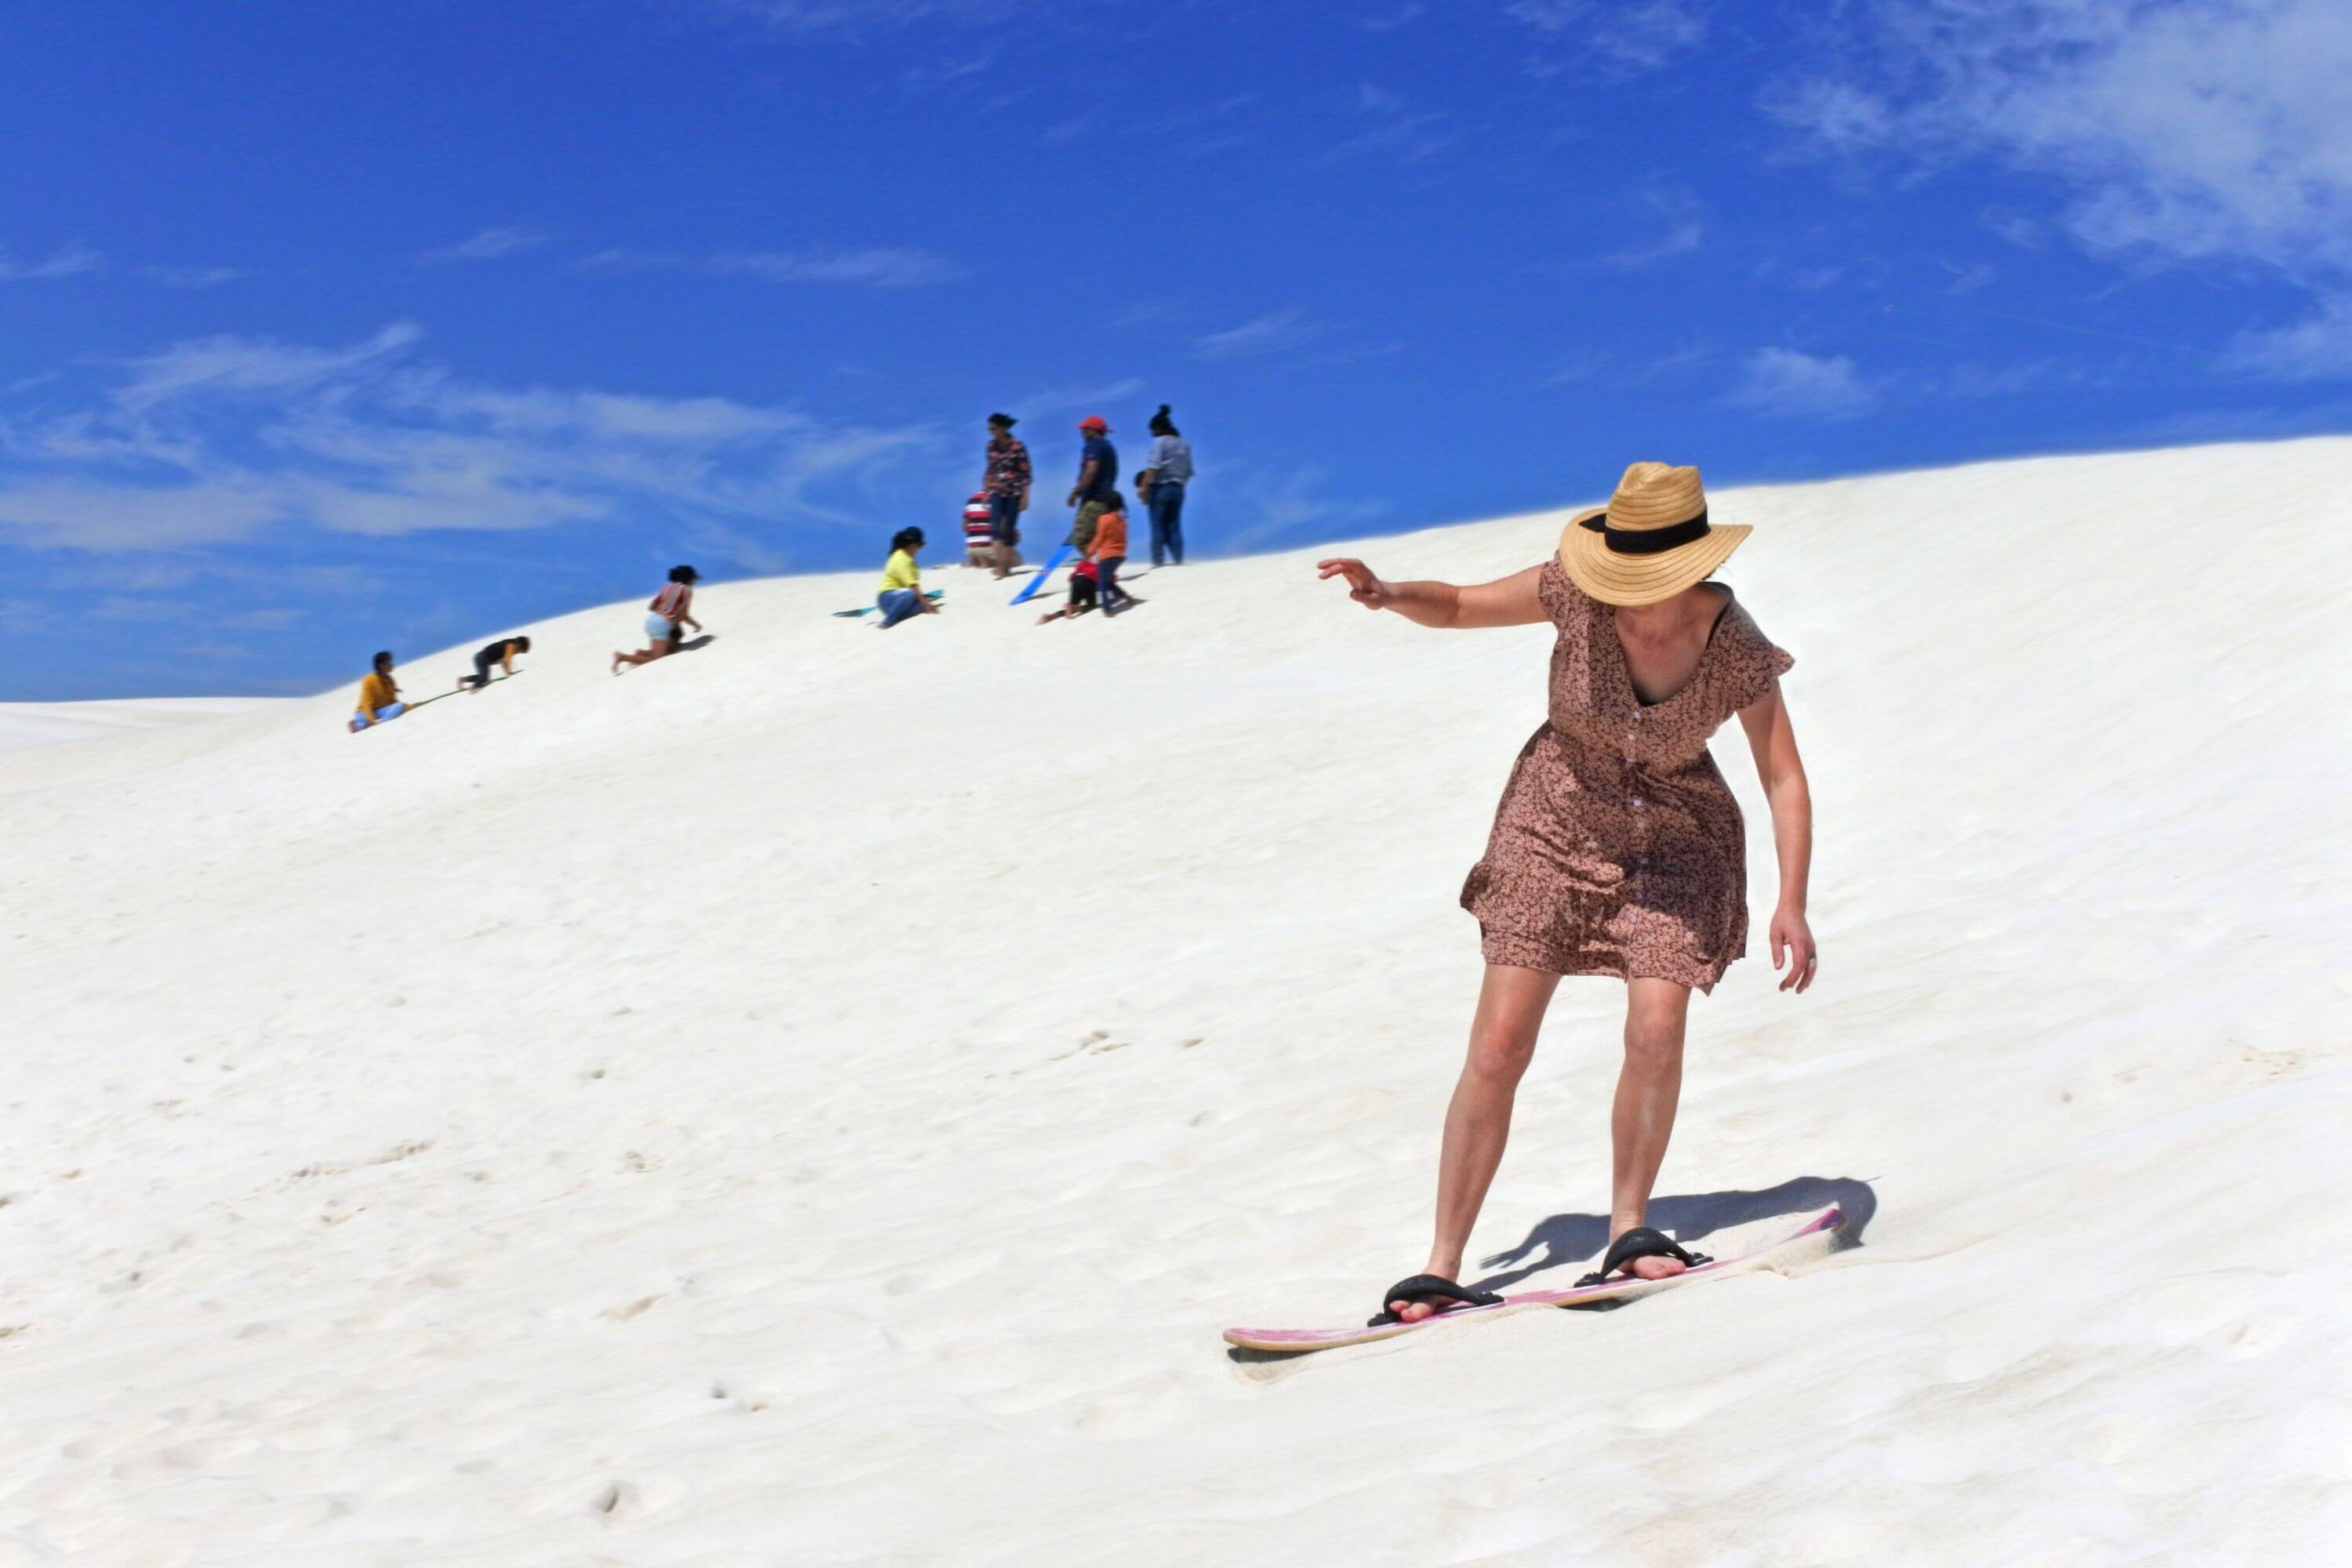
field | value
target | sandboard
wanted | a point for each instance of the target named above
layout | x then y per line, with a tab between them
1802	1229
1029	589
933	594
425	702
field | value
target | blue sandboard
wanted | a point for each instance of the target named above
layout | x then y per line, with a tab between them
1029	589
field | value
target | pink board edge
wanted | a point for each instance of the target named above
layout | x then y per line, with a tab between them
1283	1339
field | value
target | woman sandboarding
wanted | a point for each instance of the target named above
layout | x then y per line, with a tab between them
1617	849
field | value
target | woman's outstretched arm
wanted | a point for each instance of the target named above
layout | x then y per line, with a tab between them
1774	741
1510	601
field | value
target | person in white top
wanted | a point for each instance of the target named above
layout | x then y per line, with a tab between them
1163	483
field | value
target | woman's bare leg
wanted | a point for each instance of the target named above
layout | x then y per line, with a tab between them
644	656
1649	1086
1511	1004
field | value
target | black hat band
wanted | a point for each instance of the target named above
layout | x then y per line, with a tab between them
1647	541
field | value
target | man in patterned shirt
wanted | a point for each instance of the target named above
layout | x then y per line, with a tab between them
1007	485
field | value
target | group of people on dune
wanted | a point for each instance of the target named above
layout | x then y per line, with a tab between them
667	618
1617	850
1098	531
380	699
992	536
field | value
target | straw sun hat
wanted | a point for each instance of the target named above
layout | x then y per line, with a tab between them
1651	542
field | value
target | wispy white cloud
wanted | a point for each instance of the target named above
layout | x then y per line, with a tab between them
1682	231
1622	370
1969	276
1273	333
886	268
2184	128
848	16
878	267
66	261
1971	380
245	365
75	260
1793	383
1389	21
1272	505
489	244
1621	39
193	276
1393	127
2317	348
1093	399
2019	230
1644	36
218	440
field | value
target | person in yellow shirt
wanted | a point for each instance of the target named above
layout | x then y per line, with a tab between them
379	700
901	594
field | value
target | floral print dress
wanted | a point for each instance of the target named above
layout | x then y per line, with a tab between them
1618	849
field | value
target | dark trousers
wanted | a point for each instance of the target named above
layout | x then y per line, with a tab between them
1167	524
1108	592
1005	518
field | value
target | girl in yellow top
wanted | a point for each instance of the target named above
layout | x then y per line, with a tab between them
379	700
902	582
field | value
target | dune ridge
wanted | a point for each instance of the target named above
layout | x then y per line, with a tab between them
817	1098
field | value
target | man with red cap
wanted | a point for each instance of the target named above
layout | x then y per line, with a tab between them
1097	485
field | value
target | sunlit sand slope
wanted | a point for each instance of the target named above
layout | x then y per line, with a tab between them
816	1100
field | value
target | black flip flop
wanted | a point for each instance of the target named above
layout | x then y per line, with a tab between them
1425	1287
1640	1241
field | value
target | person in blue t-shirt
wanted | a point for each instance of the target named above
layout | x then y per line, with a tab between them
1097	486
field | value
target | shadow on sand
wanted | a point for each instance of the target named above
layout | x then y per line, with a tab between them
690	644
1579	1237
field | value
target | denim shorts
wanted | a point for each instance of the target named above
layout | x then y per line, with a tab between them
661	628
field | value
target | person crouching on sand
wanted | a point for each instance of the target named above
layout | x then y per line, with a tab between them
1110	553
1617	850
1082	594
379	700
500	653
901	595
669	610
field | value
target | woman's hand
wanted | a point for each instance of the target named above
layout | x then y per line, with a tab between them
1793	939
1362	586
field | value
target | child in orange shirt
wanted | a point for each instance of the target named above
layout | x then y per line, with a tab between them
1108	554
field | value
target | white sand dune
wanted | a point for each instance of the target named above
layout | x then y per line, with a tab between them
50	723
817	1099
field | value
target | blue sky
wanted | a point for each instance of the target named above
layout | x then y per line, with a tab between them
329	327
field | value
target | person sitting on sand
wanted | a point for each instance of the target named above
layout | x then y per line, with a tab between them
1082	594
1617	850
1110	553
671	609
379	700
500	653
901	595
